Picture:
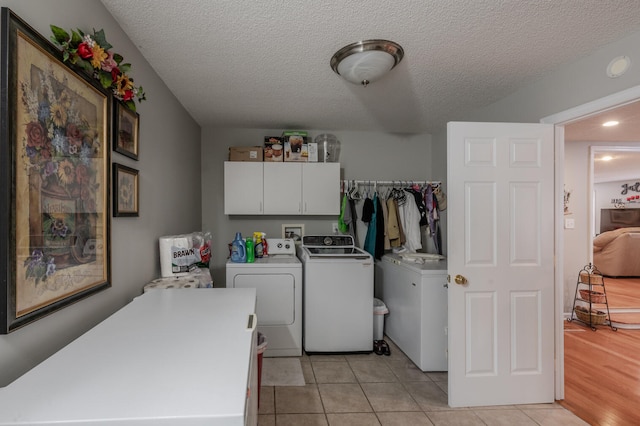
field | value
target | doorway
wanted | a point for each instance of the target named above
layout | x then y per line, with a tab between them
561	120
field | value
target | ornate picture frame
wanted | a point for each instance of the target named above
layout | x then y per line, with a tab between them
126	128
126	191
54	179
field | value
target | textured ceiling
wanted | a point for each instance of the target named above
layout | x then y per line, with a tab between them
265	63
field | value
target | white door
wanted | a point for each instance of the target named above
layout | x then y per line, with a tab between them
500	180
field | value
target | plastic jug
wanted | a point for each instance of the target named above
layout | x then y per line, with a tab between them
250	251
259	244
238	249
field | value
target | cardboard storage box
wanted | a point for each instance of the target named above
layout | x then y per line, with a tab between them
273	148
295	148
245	153
312	148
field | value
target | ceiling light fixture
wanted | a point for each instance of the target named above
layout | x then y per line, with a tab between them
366	61
607	158
610	123
618	66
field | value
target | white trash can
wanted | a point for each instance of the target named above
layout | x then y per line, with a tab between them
379	311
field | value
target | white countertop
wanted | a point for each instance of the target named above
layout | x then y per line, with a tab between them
170	357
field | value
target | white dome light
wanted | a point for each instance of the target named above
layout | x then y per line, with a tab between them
366	61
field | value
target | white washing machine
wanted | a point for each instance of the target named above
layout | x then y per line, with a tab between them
338	295
278	283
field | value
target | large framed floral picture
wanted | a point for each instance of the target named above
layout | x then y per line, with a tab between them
54	162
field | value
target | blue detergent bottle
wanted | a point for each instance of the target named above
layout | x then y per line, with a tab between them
238	249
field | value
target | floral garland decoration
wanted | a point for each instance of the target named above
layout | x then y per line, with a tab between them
91	53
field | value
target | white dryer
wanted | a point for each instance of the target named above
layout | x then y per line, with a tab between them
278	283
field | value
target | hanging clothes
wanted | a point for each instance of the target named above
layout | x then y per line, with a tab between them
367	210
343	226
431	202
419	199
370	239
379	241
393	227
385	215
410	218
353	224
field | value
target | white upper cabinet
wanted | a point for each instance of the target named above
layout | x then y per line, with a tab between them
321	188
243	188
281	188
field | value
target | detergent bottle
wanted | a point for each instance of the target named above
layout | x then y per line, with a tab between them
265	245
250	252
259	245
238	249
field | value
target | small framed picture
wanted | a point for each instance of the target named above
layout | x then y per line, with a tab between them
126	125
126	191
295	232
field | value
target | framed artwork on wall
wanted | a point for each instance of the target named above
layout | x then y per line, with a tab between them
126	127
126	191
54	179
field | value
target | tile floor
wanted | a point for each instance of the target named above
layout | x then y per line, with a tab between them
363	390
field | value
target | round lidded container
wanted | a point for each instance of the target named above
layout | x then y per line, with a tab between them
328	148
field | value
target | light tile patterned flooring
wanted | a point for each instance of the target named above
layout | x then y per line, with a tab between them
363	390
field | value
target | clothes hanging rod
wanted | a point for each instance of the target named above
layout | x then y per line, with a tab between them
391	182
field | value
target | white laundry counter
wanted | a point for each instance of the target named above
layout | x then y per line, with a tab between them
170	357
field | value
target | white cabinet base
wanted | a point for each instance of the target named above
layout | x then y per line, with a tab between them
416	296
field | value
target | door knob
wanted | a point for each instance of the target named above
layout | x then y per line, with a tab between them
459	279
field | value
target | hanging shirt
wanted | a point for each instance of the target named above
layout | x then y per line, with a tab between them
343	226
419	199
410	218
393	229
379	248
353	221
370	239
431	203
385	214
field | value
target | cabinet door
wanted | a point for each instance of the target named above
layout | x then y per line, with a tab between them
282	188
434	341
402	295
242	187
321	188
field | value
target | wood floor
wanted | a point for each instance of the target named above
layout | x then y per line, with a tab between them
602	368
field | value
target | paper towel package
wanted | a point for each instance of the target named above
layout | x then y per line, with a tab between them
180	254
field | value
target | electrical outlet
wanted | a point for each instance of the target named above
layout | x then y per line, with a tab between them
334	228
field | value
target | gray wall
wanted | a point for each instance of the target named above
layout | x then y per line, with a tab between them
569	86
167	133
363	156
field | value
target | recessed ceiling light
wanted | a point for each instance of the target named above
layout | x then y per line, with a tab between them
610	123
618	66
607	158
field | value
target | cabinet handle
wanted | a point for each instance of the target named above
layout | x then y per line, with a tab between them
300	207
305	206
413	284
260	208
